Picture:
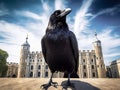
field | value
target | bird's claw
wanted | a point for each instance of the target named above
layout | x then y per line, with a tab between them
54	84
46	86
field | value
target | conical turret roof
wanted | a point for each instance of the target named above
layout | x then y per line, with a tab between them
26	42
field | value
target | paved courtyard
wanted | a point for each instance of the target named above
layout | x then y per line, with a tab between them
80	84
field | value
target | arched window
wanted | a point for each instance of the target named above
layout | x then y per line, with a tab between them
31	67
39	67
31	74
38	74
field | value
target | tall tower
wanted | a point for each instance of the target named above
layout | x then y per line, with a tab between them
25	49
99	58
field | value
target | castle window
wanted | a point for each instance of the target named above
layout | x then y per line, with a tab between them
38	74
46	74
39	67
83	60
46	67
31	74
84	67
91	60
93	74
32	67
30	57
84	74
92	66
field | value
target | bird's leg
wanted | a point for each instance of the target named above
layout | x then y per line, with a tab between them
50	83
68	84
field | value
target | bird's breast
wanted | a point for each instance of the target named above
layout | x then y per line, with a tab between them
58	43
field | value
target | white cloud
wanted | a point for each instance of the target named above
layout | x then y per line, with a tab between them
35	27
60	4
108	41
45	6
80	20
28	14
37	17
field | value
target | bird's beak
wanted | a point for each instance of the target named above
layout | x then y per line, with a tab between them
65	12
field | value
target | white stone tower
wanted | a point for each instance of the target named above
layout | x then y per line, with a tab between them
99	58
25	50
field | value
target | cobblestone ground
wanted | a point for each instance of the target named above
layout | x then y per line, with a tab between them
80	84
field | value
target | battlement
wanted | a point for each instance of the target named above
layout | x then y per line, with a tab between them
86	51
115	62
12	64
36	52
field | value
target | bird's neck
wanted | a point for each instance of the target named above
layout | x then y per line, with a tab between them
57	27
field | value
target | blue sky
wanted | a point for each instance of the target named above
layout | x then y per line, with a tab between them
21	17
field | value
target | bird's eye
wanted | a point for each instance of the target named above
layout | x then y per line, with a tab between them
57	13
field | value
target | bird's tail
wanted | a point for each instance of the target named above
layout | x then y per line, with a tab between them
72	75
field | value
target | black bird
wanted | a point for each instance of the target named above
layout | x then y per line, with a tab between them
60	48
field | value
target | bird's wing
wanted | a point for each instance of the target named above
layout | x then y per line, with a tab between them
74	46
43	48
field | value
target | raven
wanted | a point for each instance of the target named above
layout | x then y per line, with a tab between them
60	48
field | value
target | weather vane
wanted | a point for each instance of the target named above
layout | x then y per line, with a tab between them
27	37
96	35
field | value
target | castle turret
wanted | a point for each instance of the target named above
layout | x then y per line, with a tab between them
99	58
25	49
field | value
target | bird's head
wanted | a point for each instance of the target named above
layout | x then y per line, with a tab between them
58	18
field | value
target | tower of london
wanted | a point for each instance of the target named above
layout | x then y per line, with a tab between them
32	64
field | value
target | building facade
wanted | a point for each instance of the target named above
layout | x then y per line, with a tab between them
115	69
87	64
108	72
12	69
91	63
